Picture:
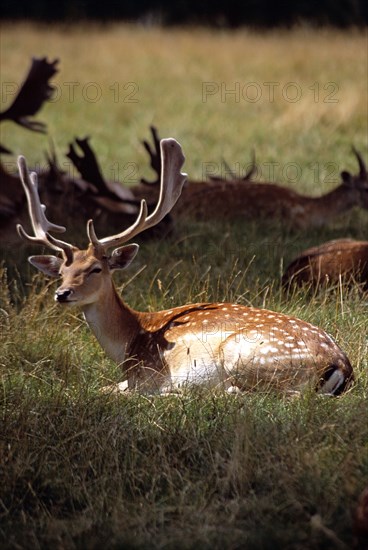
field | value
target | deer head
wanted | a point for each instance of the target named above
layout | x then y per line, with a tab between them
358	182
86	273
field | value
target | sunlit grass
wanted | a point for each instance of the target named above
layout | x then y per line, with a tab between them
200	86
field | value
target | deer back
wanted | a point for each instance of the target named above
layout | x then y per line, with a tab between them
341	260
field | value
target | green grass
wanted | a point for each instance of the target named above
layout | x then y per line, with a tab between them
82	469
170	69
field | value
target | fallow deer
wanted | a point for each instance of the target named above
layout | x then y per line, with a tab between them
222	345
242	198
334	262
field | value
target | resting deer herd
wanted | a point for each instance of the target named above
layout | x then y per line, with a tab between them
223	345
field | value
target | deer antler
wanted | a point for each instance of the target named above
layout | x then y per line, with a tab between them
4	150
362	167
154	154
233	175
228	170
172	181
40	224
87	165
32	94
89	168
252	169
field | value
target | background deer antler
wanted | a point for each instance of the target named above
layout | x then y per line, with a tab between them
233	176
34	91
172	181
362	167
89	168
87	165
155	156
155	162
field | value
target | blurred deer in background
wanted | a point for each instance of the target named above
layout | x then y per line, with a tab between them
223	345
89	169
241	198
329	264
333	262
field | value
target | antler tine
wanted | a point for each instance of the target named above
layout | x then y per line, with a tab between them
40	224
154	155
228	170
362	166
137	227
253	167
172	181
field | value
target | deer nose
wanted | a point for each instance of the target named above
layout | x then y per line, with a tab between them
62	295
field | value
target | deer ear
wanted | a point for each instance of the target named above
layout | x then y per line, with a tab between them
347	178
49	265
123	256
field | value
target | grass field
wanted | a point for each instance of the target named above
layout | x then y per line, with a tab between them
82	469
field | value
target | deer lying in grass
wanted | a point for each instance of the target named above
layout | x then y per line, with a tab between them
214	344
334	262
242	198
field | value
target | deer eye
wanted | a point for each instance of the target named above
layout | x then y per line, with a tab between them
95	270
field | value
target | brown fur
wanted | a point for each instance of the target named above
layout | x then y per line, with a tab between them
341	260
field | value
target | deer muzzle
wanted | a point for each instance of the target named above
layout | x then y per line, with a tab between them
63	295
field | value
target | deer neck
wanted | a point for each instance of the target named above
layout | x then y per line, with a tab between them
329	205
113	323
